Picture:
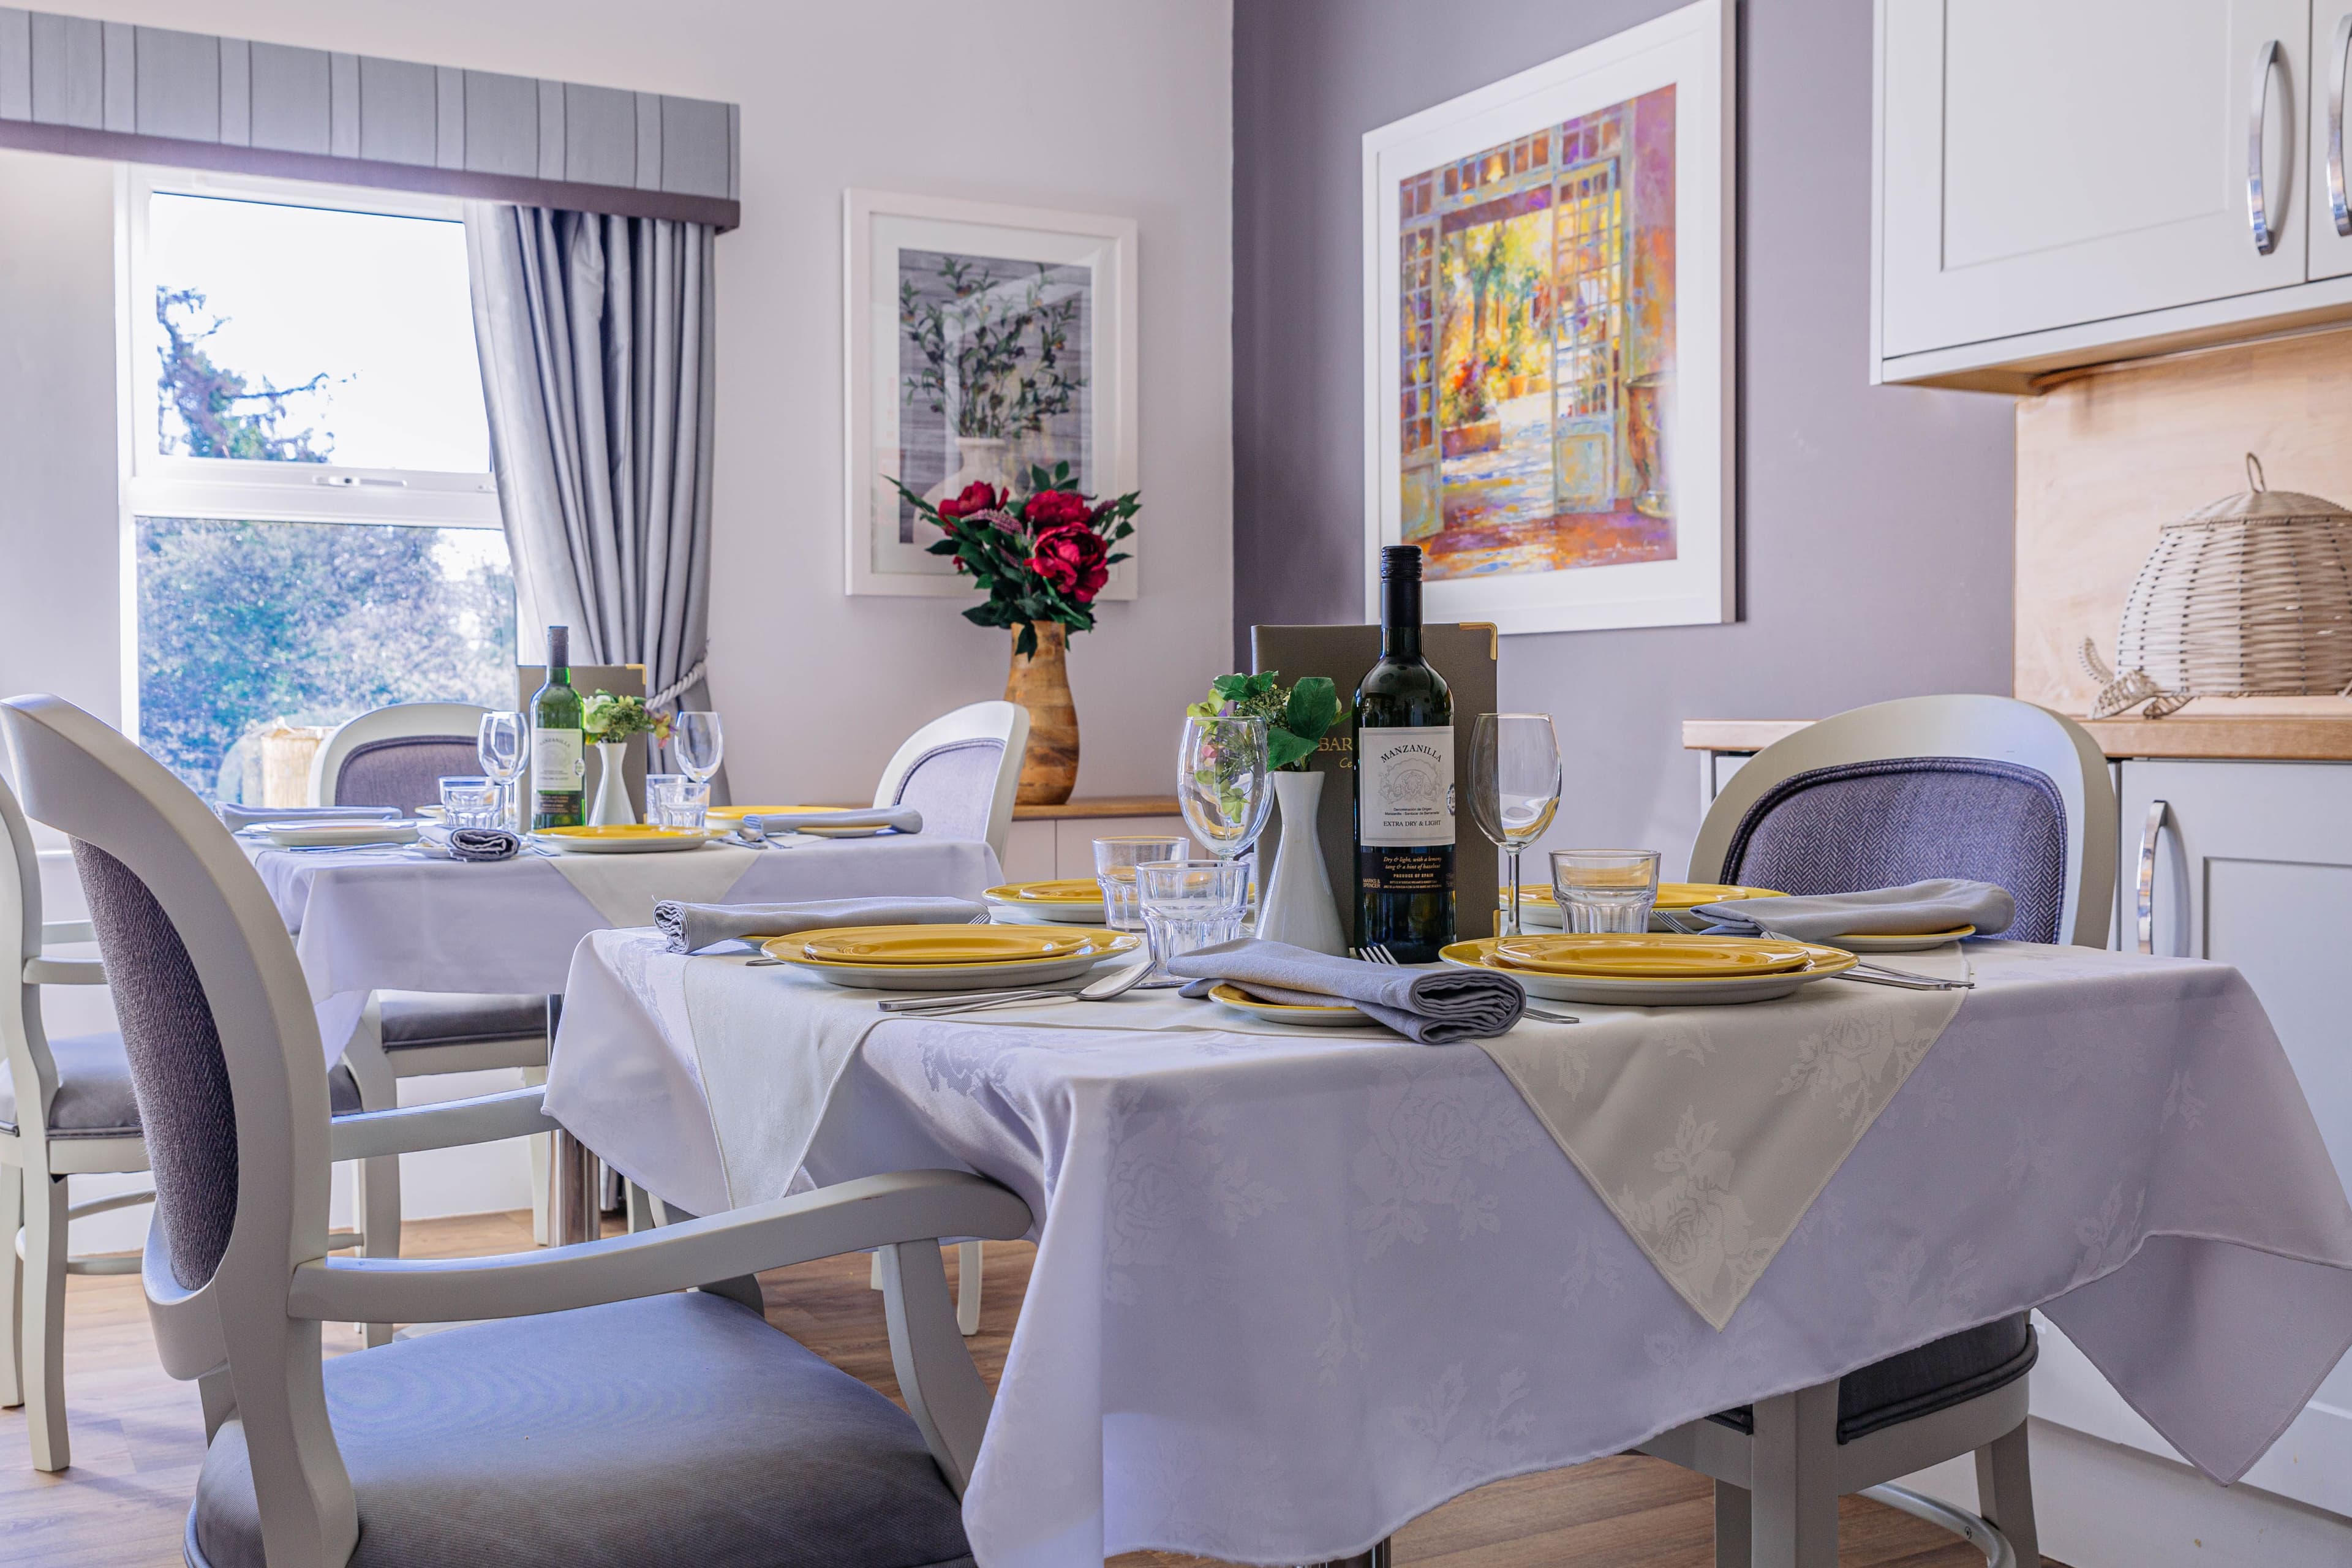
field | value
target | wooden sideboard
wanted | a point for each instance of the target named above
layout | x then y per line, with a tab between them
1049	841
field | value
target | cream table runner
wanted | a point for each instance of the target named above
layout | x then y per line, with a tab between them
624	888
1709	1131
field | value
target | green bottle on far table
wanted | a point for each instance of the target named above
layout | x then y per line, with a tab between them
1404	781
558	745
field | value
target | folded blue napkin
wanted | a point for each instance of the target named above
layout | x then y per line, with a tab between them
1431	1007
690	927
1915	908
242	817
470	843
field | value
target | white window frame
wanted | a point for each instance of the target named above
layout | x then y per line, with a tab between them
152	484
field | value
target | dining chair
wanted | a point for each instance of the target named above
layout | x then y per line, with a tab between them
66	1108
961	771
645	1413
396	756
1987	788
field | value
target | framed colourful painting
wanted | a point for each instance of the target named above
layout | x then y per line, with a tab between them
981	340
1548	329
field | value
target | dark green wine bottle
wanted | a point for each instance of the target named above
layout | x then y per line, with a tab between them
1404	781
558	748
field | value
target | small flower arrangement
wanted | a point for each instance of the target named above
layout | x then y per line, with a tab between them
1039	557
1296	717
608	718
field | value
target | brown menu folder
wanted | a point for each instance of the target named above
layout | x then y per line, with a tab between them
621	680
1465	654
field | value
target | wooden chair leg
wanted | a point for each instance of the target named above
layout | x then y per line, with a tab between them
377	1198
44	1320
1732	1506
1793	1503
967	1288
12	1288
2005	1493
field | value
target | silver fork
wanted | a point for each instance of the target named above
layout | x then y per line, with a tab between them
1377	954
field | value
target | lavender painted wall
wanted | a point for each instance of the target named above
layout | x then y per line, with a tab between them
1875	521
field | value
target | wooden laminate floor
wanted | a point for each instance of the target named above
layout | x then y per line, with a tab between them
138	1439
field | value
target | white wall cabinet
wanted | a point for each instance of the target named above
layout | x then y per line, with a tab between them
2064	185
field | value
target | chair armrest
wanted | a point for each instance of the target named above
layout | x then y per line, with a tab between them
58	933
64	972
875	1211
485	1119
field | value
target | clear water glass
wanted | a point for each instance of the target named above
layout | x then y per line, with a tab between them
470	802
1116	859
498	744
1605	889
1188	905
697	744
1224	783
1513	790
673	800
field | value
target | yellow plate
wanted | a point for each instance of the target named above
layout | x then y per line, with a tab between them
1652	956
1672	895
1085	948
1232	995
1067	890
735	813
931	945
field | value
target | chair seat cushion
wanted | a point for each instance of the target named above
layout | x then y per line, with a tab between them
1914	1383
415	1018
677	1430
94	1098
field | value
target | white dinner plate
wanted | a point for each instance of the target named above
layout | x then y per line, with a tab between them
1608	992
1341	1016
667	843
962	976
1854	943
320	835
1005	912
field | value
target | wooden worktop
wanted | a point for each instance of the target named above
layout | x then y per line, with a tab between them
1102	805
2266	737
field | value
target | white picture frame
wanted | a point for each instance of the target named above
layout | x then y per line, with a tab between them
1693	52
879	228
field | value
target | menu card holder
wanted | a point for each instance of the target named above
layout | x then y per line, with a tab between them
1465	656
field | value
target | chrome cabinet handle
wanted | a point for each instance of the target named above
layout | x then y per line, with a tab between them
2257	210
2156	809
2338	52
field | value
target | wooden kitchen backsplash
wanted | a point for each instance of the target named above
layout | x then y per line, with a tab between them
2106	459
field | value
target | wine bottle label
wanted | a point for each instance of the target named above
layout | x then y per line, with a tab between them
556	765
1407	785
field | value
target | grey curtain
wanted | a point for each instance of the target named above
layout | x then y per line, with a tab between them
596	337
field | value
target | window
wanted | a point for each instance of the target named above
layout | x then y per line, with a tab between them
313	529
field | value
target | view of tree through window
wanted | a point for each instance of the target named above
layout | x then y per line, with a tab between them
293	335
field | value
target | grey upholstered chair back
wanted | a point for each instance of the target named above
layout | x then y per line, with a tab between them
404	772
953	786
1882	823
177	1070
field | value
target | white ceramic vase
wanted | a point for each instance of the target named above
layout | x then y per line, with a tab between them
612	808
1294	903
980	459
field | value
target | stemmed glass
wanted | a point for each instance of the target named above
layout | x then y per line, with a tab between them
696	744
1513	788
499	744
1224	783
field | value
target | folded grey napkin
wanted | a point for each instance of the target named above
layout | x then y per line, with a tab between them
470	843
693	927
1433	1006
905	818
242	817
1938	904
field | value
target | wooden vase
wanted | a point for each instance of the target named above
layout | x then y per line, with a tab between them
1040	682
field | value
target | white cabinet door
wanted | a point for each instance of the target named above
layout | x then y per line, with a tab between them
2250	864
2055	165
2331	238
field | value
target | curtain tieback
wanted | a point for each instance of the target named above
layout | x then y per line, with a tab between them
676	688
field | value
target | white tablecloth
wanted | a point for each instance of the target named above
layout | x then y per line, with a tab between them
373	920
1291	1292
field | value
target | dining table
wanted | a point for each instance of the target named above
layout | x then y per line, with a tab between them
1294	1287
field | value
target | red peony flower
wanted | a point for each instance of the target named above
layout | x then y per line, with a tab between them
1070	557
1057	508
976	497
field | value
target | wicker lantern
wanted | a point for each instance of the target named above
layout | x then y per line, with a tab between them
2250	596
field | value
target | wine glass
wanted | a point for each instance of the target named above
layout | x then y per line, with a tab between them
499	744
1514	789
1224	783
697	744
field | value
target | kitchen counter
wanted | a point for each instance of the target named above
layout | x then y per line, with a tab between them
2266	737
